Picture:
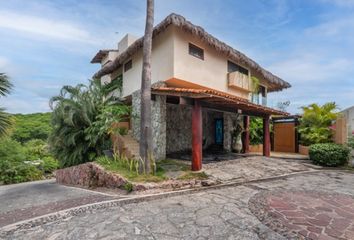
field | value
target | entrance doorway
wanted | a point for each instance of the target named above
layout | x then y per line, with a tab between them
219	131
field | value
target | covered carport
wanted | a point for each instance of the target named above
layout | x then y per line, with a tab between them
212	99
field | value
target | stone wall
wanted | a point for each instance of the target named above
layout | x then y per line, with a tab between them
89	175
179	127
158	119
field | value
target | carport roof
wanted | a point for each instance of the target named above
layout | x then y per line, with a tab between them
219	100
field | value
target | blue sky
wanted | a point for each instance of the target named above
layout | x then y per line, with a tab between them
310	43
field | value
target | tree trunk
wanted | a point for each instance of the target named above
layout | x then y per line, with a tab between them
145	118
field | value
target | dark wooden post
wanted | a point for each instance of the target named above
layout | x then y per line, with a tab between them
266	136
197	135
246	136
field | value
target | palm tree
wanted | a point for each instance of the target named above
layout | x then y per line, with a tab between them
145	118
75	109
5	120
315	123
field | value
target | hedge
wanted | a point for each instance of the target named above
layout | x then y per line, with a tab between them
329	154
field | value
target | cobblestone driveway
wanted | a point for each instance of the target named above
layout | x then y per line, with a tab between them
213	214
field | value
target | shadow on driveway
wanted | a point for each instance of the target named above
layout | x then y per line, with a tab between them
28	200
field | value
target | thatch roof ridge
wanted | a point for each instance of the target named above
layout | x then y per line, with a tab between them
179	21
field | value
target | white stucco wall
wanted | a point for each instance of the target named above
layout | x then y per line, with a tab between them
161	64
171	60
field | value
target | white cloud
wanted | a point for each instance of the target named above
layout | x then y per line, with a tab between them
48	28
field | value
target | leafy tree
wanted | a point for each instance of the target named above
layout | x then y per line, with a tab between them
5	119
31	126
315	123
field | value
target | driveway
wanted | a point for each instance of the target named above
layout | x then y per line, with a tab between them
238	212
27	200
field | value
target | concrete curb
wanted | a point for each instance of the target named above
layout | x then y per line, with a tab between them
64	214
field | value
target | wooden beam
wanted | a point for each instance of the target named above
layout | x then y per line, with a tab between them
185	101
197	136
266	136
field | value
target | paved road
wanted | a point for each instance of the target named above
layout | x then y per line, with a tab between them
213	214
27	200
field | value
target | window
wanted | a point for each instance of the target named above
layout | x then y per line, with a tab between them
233	67
128	65
196	51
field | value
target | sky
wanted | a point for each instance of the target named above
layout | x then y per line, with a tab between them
309	43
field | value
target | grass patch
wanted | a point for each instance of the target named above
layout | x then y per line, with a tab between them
128	171
193	175
173	165
126	168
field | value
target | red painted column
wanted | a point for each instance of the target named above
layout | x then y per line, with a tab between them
197	136
246	141
266	137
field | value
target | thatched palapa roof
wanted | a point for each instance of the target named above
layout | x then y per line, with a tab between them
275	83
101	54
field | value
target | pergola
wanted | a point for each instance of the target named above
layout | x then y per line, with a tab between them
212	99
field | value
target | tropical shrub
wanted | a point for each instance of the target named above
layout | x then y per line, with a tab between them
16	172
329	154
79	127
28	162
315	123
256	131
49	164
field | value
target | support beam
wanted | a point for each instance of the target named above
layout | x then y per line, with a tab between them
246	134
266	137
197	136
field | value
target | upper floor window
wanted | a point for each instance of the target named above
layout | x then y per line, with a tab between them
128	65
233	67
196	51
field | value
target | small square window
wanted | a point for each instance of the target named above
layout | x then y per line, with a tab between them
128	65
196	51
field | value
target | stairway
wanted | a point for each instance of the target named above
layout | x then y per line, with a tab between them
126	145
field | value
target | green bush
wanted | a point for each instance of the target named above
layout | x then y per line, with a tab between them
28	162
49	164
35	149
16	172
329	154
11	150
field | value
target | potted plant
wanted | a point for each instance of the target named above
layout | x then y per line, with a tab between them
236	133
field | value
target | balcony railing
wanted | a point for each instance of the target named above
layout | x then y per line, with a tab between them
239	81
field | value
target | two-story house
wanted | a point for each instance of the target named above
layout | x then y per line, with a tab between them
199	85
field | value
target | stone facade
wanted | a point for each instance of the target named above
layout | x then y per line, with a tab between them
158	118
172	126
179	127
